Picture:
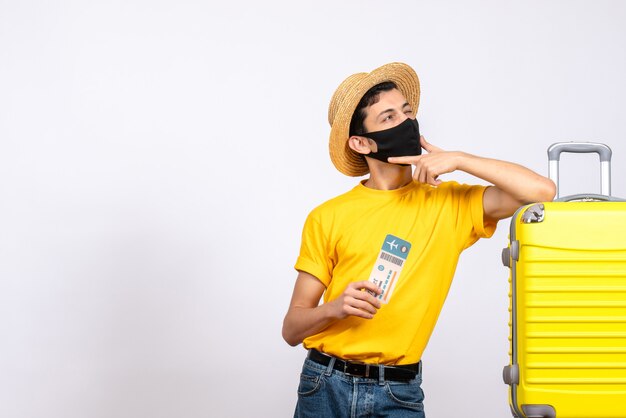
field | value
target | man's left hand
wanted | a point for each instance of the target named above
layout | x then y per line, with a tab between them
428	167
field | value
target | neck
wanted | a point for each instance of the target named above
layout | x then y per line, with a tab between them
385	176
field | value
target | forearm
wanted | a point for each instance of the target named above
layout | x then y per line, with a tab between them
305	317
514	185
518	182
302	322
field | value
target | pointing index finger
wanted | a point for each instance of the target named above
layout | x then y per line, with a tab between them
409	159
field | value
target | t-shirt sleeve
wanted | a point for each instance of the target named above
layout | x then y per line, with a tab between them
315	254
473	215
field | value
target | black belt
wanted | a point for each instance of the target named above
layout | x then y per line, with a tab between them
402	372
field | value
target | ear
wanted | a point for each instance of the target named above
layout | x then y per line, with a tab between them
360	144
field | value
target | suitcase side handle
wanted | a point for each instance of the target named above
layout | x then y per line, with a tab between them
603	151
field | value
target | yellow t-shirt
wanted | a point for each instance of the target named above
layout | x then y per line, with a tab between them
342	239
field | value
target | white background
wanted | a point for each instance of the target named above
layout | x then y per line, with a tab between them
158	159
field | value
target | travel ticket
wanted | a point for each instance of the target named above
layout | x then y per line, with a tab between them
389	264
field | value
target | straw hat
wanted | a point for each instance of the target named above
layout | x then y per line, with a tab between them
344	102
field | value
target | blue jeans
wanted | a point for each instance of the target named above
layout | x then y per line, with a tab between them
325	393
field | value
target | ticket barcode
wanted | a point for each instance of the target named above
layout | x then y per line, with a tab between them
388	257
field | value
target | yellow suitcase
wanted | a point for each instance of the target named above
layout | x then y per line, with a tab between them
567	262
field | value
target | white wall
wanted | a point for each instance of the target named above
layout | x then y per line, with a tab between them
158	159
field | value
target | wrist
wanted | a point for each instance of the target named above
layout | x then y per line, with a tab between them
463	161
331	311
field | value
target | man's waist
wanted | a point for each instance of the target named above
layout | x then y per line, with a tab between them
357	369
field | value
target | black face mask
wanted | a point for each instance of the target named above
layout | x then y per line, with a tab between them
399	141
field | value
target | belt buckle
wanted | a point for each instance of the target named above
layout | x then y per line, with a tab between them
356	369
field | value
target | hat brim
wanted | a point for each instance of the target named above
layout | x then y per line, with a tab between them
351	91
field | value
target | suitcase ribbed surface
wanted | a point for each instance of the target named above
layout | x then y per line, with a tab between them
571	309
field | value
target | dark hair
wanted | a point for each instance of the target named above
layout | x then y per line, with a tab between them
368	99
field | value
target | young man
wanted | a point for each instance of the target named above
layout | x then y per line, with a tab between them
402	227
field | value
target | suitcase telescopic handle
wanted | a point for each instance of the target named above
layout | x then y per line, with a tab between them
603	151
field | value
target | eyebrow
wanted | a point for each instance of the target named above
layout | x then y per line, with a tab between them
392	110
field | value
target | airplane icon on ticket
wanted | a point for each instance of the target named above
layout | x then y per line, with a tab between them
392	244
